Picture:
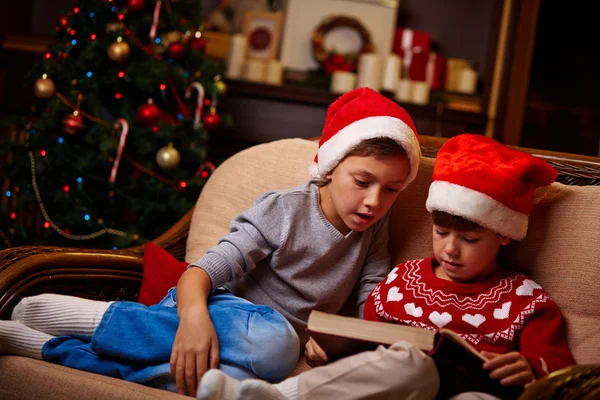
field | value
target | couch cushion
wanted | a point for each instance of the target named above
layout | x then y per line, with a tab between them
26	378
237	182
559	252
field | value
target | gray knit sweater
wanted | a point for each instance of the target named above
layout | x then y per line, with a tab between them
284	253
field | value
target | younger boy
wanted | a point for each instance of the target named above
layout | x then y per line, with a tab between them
242	306
480	198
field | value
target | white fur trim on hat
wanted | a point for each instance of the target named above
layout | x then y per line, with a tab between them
477	207
337	147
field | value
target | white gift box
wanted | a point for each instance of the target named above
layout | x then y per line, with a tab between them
303	16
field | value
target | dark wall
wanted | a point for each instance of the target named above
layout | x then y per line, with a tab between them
563	104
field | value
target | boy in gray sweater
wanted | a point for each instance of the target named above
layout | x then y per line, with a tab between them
243	306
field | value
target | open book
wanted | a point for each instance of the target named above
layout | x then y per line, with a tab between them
458	362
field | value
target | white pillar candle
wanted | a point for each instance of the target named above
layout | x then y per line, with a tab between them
274	75
404	90
391	72
368	71
237	55
420	93
342	81
254	70
466	81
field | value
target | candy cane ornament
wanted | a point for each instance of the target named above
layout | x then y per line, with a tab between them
155	20
124	131
199	102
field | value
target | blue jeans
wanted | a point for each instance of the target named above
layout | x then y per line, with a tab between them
134	342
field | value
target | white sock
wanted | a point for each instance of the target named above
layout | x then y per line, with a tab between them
215	385
59	315
254	389
21	340
289	387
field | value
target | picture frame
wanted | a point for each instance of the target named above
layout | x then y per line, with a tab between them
263	32
303	17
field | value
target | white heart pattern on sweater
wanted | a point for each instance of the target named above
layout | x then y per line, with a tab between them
440	320
474	320
391	276
503	312
394	294
527	288
411	309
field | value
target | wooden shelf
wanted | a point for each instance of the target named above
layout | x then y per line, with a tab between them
323	98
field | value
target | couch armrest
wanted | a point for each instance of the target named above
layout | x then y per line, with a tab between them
575	382
95	274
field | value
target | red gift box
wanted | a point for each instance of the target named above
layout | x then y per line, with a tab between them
411	40
435	71
413	47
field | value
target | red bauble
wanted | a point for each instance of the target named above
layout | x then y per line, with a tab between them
211	121
72	124
135	5
198	44
176	50
148	114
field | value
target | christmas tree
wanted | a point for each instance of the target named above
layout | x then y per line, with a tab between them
114	152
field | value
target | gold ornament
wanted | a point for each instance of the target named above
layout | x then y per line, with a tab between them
44	87
170	37
168	157
119	51
221	87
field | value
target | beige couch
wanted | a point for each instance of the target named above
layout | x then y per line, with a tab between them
560	252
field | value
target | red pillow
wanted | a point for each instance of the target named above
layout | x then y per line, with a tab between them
161	273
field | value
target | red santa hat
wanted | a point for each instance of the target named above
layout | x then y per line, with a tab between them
359	115
486	182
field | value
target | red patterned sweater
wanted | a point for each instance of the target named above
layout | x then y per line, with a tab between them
507	312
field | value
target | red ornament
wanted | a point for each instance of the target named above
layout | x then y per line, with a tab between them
176	50
211	121
198	44
73	124
135	5
148	114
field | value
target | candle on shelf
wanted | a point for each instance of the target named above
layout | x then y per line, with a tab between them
466	81
391	72
420	93
274	75
404	90
236	57
254	70
342	81
368	71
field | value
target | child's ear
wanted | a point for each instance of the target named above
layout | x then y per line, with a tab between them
504	241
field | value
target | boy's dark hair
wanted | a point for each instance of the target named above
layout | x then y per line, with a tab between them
445	220
379	147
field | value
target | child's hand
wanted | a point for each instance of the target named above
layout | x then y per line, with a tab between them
195	348
314	354
510	368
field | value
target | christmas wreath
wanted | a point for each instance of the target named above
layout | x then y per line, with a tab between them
331	60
